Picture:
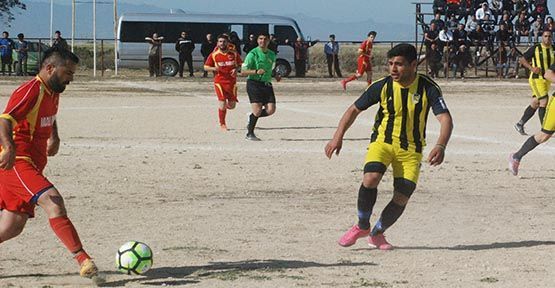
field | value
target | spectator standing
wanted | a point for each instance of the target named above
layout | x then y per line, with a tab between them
154	54
6	47
59	41
208	45
273	44
185	46
536	29
301	55
22	48
236	41
431	36
461	60
434	56
331	49
250	44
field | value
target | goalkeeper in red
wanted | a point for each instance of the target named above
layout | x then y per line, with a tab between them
28	135
364	61
224	63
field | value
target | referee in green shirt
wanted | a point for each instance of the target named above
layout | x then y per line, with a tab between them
258	65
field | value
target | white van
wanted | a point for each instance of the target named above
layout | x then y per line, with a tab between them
134	27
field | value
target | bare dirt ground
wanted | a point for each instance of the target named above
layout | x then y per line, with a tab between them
144	160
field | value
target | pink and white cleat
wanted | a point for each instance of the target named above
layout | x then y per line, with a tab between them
350	237
513	164
379	241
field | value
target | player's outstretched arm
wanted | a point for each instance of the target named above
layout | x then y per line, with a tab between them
53	144
7	153
346	121
437	154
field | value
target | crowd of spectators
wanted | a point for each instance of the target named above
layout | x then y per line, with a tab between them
464	32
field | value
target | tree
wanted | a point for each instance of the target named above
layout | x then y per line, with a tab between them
6	7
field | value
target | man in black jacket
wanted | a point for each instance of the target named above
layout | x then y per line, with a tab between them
185	47
206	48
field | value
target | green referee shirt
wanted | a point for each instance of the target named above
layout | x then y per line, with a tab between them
257	59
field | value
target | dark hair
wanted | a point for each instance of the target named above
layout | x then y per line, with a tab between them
223	36
58	56
332	36
264	34
6	33
57	32
372	33
405	50
20	35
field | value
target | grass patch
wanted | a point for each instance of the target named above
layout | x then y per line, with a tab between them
370	283
489	280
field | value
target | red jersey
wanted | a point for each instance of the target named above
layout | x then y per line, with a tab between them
32	110
366	48
226	63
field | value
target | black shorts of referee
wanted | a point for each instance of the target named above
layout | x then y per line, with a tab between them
260	92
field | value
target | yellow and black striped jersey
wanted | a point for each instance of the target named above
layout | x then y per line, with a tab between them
540	56
402	116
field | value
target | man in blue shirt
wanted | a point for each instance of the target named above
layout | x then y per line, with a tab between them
6	46
331	49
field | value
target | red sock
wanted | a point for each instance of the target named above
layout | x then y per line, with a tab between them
63	228
221	114
369	82
354	77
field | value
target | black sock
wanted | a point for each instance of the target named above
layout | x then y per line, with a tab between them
263	113
365	203
541	114
390	214
528	113
528	146
252	123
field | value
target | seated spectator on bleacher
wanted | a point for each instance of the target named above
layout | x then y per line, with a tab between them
453	7
471	24
549	24
509	7
522	26
460	36
482	12
437	20
445	38
465	9
478	37
452	23
521	6
503	37
460	60
439	6
539	8
488	24
506	20
433	57
496	9
431	36
536	29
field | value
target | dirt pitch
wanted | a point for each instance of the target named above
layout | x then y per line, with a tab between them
144	160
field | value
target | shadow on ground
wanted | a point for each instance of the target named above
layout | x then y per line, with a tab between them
174	275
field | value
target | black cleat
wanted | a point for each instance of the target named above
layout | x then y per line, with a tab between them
520	129
252	137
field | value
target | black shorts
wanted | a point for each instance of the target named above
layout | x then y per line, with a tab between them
260	92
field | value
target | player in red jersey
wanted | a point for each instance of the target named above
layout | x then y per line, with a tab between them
364	61
28	134
224	63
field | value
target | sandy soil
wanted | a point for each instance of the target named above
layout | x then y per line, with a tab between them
144	160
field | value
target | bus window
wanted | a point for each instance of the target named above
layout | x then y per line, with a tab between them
285	32
198	31
254	29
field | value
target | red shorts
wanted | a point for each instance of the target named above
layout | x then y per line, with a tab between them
226	91
364	65
21	186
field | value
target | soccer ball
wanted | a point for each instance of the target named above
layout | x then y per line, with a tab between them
134	257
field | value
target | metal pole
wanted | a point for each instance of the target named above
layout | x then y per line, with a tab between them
94	38
115	37
72	25
102	57
51	19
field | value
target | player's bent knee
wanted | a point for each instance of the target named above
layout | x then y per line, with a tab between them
404	186
53	203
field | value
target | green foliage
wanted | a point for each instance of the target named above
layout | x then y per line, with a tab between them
6	11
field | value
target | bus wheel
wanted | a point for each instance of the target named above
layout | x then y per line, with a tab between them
169	67
282	68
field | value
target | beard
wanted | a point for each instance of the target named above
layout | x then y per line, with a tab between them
56	84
